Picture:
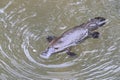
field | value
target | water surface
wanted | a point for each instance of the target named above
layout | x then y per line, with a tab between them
24	26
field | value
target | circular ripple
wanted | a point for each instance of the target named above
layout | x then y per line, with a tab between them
23	40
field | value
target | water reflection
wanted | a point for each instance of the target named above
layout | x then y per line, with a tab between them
24	25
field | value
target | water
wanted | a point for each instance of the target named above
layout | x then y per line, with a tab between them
24	25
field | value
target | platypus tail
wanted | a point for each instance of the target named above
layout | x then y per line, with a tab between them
47	53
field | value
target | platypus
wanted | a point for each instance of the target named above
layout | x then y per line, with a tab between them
73	37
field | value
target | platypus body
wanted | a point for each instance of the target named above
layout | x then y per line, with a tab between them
73	36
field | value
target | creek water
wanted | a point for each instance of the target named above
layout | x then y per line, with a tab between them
25	24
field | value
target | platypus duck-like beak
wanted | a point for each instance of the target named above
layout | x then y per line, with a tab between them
103	22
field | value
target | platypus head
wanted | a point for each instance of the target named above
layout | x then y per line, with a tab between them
96	22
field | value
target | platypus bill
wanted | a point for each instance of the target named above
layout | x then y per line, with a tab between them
73	36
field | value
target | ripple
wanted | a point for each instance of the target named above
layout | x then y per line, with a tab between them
25	24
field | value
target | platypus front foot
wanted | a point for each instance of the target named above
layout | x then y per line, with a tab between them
95	35
50	38
71	53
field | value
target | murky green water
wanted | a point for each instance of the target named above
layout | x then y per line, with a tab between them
24	25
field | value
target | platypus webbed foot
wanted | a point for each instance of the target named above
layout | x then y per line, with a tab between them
71	53
95	35
50	38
